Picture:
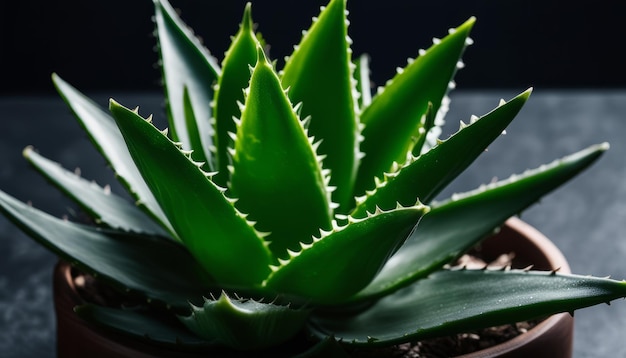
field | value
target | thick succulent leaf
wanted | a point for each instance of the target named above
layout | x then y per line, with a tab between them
425	176
449	302
434	122
217	235
341	262
245	324
319	74
277	176
171	334
392	121
138	264
187	66
106	137
241	55
194	128
143	326
102	205
454	226
363	82
428	125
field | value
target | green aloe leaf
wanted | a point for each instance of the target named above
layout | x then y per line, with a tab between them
111	210
245	324
118	258
455	225
392	121
187	68
425	176
450	302
341	262
168	333
106	137
194	128
217	235
319	74
277	176
241	55
364	84
427	124
143	326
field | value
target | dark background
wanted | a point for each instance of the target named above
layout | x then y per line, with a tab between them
101	45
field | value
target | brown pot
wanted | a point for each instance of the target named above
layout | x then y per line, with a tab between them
550	338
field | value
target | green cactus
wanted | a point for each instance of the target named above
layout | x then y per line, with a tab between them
277	197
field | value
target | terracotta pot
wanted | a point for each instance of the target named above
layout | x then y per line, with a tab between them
550	338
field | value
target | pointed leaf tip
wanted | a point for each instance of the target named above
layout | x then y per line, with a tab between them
468	24
261	58
526	94
27	150
246	22
113	104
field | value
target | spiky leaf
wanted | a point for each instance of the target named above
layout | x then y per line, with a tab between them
425	176
115	257
319	74
277	176
187	68
143	326
449	302
241	55
104	207
106	137
343	261
427	124
392	120
217	235
363	82
245	324
470	217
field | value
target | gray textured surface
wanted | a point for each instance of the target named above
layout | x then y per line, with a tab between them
586	218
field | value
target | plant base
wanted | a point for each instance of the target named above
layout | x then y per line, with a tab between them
551	337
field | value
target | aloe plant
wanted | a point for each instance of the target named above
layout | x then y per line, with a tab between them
295	201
